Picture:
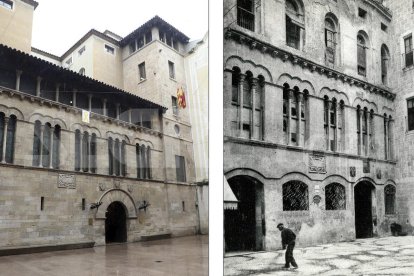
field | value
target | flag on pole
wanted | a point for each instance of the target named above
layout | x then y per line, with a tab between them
181	98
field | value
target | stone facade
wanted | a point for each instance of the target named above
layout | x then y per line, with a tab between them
314	174
62	187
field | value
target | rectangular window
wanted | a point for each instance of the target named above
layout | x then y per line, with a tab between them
132	47
384	27
83	204
42	203
408	46
7	4
162	35
180	168
81	50
292	34
140	42
245	14
362	13
174	105
69	61
171	69
361	56
109	49
142	73
410	112
148	37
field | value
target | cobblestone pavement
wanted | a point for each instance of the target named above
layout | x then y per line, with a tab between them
376	256
186	256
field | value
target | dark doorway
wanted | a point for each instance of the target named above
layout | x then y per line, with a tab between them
244	228
115	223
363	210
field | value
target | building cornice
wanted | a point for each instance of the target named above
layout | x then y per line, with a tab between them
275	52
378	4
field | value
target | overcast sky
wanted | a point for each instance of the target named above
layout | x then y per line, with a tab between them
58	24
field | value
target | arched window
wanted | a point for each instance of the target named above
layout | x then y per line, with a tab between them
331	40
85	152
77	150
389	193
46	145
56	147
123	159
93	154
111	156
385	56
149	172
82	71
388	136
295	24
361	54
294	115
139	162
245	14
295	196
37	144
235	79
143	162
331	123
117	157
10	139
335	198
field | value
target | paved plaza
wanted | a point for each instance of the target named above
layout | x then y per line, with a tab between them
376	256
186	256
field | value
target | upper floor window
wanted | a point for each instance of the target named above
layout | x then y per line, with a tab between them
410	112
7	4
7	138
361	55
174	105
388	137
295	24
408	47
143	157
385	56
171	69
330	41
245	14
333	122
109	49
85	151
117	157
180	168
132	46
81	50
142	73
294	115
46	145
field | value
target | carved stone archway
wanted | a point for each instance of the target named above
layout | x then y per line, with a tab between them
113	195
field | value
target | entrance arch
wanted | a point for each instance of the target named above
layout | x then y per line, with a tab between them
115	223
365	209
244	227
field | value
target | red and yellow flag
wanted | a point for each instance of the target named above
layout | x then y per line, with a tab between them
181	98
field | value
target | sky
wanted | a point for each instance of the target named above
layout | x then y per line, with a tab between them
58	24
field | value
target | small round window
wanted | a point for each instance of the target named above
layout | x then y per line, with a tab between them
177	129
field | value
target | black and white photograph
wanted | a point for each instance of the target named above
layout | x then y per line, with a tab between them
318	126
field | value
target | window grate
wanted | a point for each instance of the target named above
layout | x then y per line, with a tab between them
335	198
295	196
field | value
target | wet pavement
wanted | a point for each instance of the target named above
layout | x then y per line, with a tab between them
376	256
185	256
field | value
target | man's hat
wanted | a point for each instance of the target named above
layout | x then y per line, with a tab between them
280	224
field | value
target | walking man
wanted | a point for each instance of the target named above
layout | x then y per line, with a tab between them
288	242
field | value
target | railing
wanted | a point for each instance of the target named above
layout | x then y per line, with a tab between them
245	19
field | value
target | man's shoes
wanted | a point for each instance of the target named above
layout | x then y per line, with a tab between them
295	267
286	267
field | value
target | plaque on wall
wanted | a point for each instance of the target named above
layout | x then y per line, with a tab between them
317	163
379	175
66	181
117	184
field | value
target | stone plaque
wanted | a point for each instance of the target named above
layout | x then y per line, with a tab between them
66	181
316	199
130	188
117	184
317	163
102	187
379	175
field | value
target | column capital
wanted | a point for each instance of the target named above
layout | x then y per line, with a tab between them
90	96
19	72
291	93
255	82
242	77
39	78
300	96
6	119
104	100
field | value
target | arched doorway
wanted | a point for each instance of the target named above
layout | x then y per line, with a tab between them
244	227
365	211
115	223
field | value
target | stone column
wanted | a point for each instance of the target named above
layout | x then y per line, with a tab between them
52	135
361	114
113	157
74	97
81	151
89	157
386	137
105	112
289	116
18	75
6	122
390	141
90	102
117	110
39	80
240	113
299	126
42	128
57	91
337	108
328	130
253	98
367	149
129	115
